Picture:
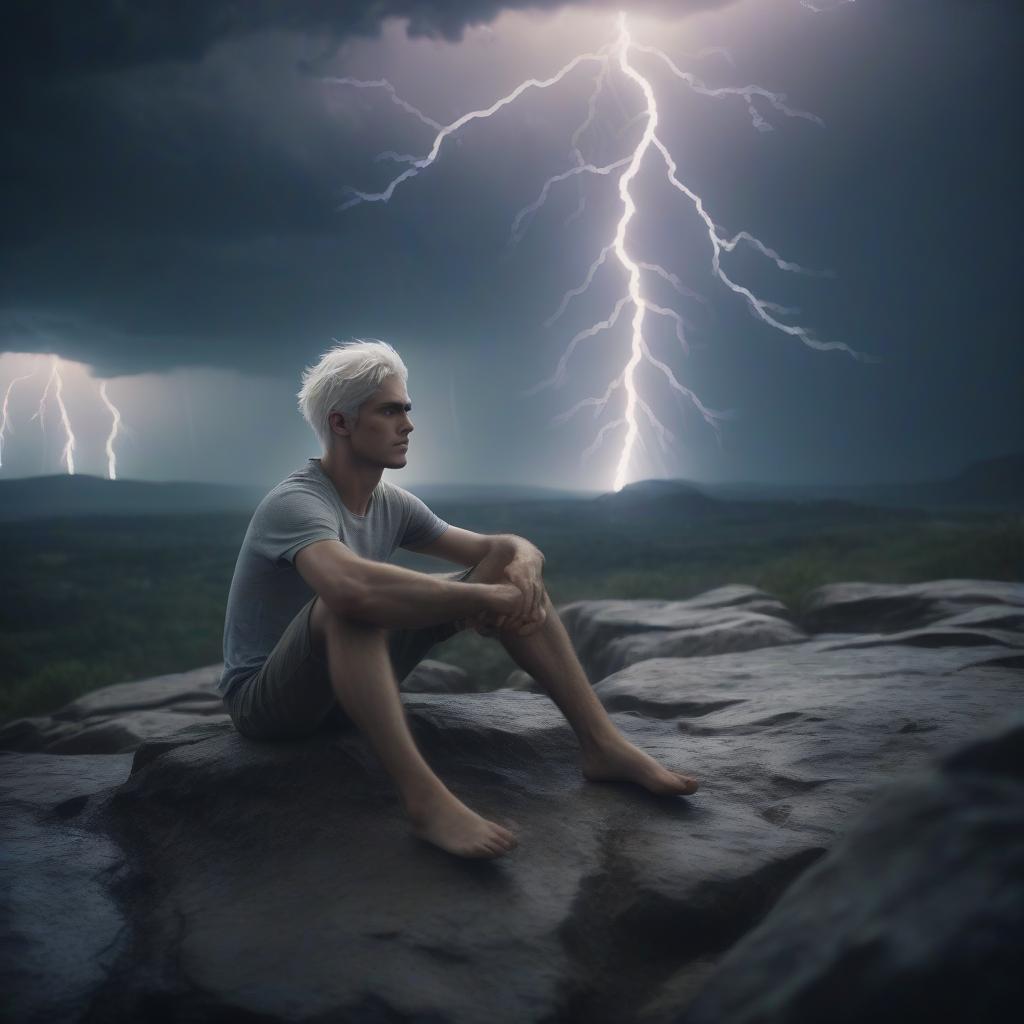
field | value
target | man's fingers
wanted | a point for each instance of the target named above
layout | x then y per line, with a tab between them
524	593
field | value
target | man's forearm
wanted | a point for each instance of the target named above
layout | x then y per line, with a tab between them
396	598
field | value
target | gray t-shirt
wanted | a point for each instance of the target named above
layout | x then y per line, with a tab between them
267	591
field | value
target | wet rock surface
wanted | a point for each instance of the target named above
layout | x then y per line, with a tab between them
222	877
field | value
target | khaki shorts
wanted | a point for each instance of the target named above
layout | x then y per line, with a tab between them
291	695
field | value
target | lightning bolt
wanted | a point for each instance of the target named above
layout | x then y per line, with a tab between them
449	129
3	414
55	379
383	83
40	413
111	457
618	247
68	455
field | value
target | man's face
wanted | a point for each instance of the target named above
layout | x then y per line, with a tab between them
380	436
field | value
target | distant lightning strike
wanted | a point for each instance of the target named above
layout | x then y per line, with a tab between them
3	414
111	457
767	312
55	382
68	455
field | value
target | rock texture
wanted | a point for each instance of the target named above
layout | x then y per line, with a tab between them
209	877
860	607
917	914
431	676
117	719
610	635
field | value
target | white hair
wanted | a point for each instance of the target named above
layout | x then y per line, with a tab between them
344	378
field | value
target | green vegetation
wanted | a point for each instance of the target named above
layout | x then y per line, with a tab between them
90	602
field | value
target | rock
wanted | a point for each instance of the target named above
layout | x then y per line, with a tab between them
917	914
431	676
520	680
116	719
892	608
609	635
225	878
60	927
196	687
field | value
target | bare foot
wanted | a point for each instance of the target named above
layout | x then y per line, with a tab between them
620	761
446	821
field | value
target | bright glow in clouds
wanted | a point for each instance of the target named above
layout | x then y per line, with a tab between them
617	55
139	426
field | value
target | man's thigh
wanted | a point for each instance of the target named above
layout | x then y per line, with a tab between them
408	647
291	695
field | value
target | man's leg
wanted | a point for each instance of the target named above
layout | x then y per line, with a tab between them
548	656
364	682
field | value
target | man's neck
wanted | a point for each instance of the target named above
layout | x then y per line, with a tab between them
353	481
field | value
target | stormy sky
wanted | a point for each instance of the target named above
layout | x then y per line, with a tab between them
173	174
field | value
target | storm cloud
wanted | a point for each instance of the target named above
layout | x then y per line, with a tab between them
173	175
60	36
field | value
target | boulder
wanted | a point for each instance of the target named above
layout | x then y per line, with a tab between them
520	680
609	635
431	676
211	877
894	607
916	914
116	719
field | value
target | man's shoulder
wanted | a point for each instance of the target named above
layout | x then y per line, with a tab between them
395	495
303	485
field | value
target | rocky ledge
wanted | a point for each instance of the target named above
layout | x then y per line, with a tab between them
856	850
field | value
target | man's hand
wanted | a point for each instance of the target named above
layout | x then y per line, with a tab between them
527	614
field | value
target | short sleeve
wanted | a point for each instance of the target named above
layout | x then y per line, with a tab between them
421	525
290	520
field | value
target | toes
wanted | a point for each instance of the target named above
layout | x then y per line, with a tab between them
505	842
690	784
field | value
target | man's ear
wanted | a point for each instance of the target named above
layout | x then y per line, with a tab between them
339	423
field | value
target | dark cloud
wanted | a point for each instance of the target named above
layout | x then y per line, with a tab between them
172	176
55	37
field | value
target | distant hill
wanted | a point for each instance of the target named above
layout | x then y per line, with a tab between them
990	483
660	504
483	493
45	497
656	496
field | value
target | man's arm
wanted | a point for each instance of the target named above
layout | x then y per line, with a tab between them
523	567
392	597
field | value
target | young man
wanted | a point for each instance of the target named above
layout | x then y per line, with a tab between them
318	627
